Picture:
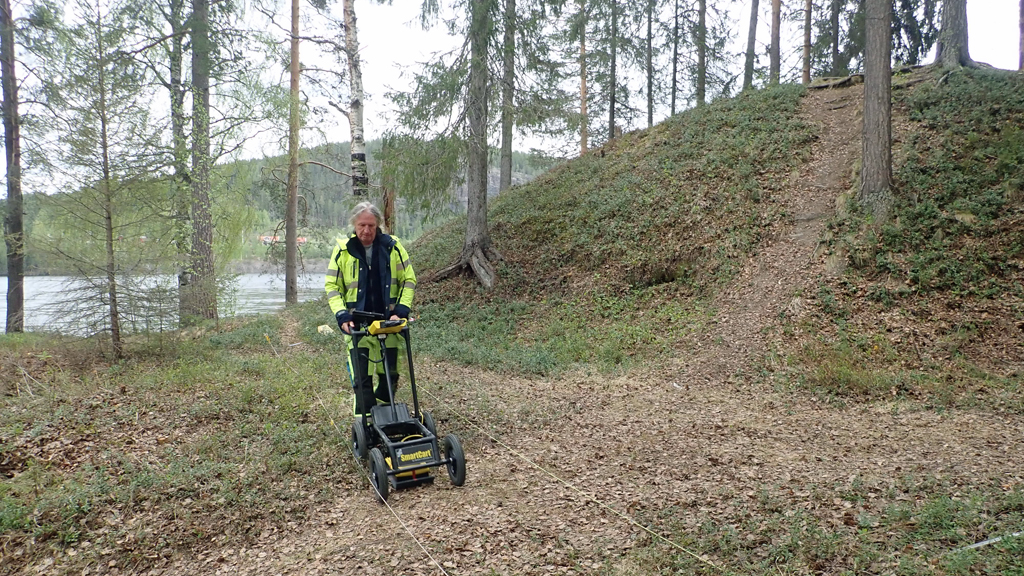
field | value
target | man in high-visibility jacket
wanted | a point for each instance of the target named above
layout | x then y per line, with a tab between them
369	271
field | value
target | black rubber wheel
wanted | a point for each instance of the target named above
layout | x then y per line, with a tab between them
379	474
456	460
360	440
428	422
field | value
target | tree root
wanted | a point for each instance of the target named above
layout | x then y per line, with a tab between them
476	259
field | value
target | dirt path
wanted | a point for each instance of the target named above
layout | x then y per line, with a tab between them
680	445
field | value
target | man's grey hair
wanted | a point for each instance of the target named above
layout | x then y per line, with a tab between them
366	207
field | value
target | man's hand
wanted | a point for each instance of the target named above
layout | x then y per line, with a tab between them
347	327
394	317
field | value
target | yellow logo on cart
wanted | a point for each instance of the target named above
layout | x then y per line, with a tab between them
420	455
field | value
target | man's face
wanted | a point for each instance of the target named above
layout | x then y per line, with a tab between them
366	228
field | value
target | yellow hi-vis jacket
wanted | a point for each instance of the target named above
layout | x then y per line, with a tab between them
347	279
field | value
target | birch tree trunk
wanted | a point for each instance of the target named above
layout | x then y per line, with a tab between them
876	169
14	235
201	295
291	225
179	143
508	81
357	152
748	66
808	6
776	64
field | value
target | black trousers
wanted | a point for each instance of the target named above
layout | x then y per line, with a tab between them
362	378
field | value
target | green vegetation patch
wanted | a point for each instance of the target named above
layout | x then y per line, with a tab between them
149	457
939	287
607	254
910	527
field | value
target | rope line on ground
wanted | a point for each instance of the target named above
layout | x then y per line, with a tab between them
359	464
366	475
585	495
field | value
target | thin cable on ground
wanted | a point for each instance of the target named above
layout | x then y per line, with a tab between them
585	495
359	465
381	498
986	542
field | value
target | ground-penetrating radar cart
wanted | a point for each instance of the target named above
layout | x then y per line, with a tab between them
402	448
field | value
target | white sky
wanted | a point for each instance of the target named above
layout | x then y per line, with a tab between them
392	42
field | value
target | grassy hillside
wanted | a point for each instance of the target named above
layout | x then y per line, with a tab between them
932	305
618	251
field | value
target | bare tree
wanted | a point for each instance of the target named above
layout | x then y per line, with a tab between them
748	66
675	54
613	79
953	50
583	75
650	63
775	65
808	5
876	169
291	224
702	50
508	82
13	226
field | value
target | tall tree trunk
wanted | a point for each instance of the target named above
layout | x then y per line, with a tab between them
583	76
833	23
1021	65
702	51
808	6
748	66
476	249
876	169
650	63
291	215
357	151
14	235
180	178
508	81
201	296
675	54
775	65
613	80
108	200
953	50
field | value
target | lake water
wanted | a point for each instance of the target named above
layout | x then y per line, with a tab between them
49	300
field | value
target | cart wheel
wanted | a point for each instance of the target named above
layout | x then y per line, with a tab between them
379	474
360	440
456	460
428	422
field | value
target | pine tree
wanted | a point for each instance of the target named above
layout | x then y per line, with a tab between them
953	49
98	100
291	281
876	170
13	226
